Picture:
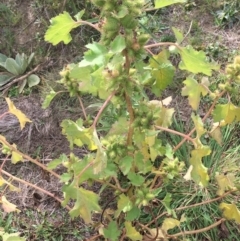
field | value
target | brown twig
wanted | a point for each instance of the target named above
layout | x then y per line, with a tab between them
176	133
90	24
94	237
202	230
102	108
22	77
82	106
110	185
119	186
1	116
4	160
35	187
162	44
194	205
24	156
84	169
157	229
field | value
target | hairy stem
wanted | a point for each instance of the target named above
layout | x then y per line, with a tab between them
89	24
187	137
102	108
82	106
84	169
4	161
131	115
119	186
162	44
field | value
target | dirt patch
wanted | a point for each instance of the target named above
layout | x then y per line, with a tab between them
39	135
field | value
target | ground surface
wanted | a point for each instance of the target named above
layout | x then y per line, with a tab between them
22	31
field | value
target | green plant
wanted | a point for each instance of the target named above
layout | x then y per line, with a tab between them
228	14
15	69
133	159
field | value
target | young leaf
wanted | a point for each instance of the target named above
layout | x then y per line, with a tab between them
133	214
225	182
131	232
164	3
199	171
230	212
22	61
30	58
112	231
169	223
33	80
179	36
96	55
136	179
13	110
165	114
118	44
124	204
22	85
162	72
77	134
79	15
48	99
3	58
83	76
60	28
125	164
5	78
165	117
195	61
16	157
198	125
227	112
88	173
54	163
66	177
216	133
86	201
12	67
7	206
193	90
11	236
167	201
10	186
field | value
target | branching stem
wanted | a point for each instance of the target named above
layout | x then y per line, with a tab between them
194	205
2	140
131	115
204	118
162	44
84	169
35	187
202	230
90	24
22	77
82	106
102	108
187	137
